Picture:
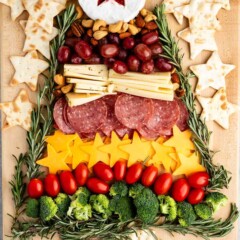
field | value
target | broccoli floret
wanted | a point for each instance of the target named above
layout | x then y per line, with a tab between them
185	213
100	203
83	213
119	188
168	207
216	200
123	207
63	202
48	208
135	189
147	205
82	194
203	211
32	209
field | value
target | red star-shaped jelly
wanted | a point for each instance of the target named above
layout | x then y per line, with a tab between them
121	2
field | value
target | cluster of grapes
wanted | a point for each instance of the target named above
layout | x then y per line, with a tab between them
138	53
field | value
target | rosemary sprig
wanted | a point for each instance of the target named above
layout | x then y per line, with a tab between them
219	175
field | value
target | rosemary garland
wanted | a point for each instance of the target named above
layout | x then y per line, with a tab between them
219	175
111	229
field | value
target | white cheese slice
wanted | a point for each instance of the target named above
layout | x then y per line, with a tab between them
164	95
87	81
111	11
76	90
92	72
90	87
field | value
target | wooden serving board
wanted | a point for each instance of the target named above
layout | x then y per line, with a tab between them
225	141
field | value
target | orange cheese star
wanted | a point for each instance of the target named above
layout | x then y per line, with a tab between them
138	150
96	155
161	156
113	149
61	141
54	161
188	165
78	155
181	141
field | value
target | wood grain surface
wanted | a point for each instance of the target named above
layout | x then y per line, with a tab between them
224	141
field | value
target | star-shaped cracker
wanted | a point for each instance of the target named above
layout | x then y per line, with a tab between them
217	108
43	12
28	69
199	40
201	15
212	74
16	7
18	112
37	38
225	3
170	6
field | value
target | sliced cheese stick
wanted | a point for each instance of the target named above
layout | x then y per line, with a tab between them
75	99
90	87
167	96
86	81
154	77
92	72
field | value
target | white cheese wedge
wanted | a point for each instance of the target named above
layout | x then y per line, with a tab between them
154	77
111	11
87	81
166	95
90	87
87	91
93	72
75	99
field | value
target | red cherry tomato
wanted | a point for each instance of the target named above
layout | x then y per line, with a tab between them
35	188
68	182
52	185
120	169
163	184
81	174
134	173
103	171
195	196
199	179
96	185
149	176
180	190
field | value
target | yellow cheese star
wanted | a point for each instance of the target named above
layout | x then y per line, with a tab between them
78	155
113	149
137	150
188	165
181	141
95	154
162	156
54	161
61	141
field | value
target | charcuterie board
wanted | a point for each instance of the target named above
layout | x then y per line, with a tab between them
225	142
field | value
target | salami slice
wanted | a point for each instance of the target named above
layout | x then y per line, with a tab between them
58	117
182	121
165	115
133	111
87	118
147	133
122	131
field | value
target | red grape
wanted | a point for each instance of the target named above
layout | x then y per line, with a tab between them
122	54
71	42
150	38
147	67
143	52
109	62
120	67
63	55
163	65
94	59
83	49
133	63
128	43
109	50
114	38
156	48
102	41
75	59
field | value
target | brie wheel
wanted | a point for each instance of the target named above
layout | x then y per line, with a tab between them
110	11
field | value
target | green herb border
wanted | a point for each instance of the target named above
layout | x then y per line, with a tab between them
111	228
